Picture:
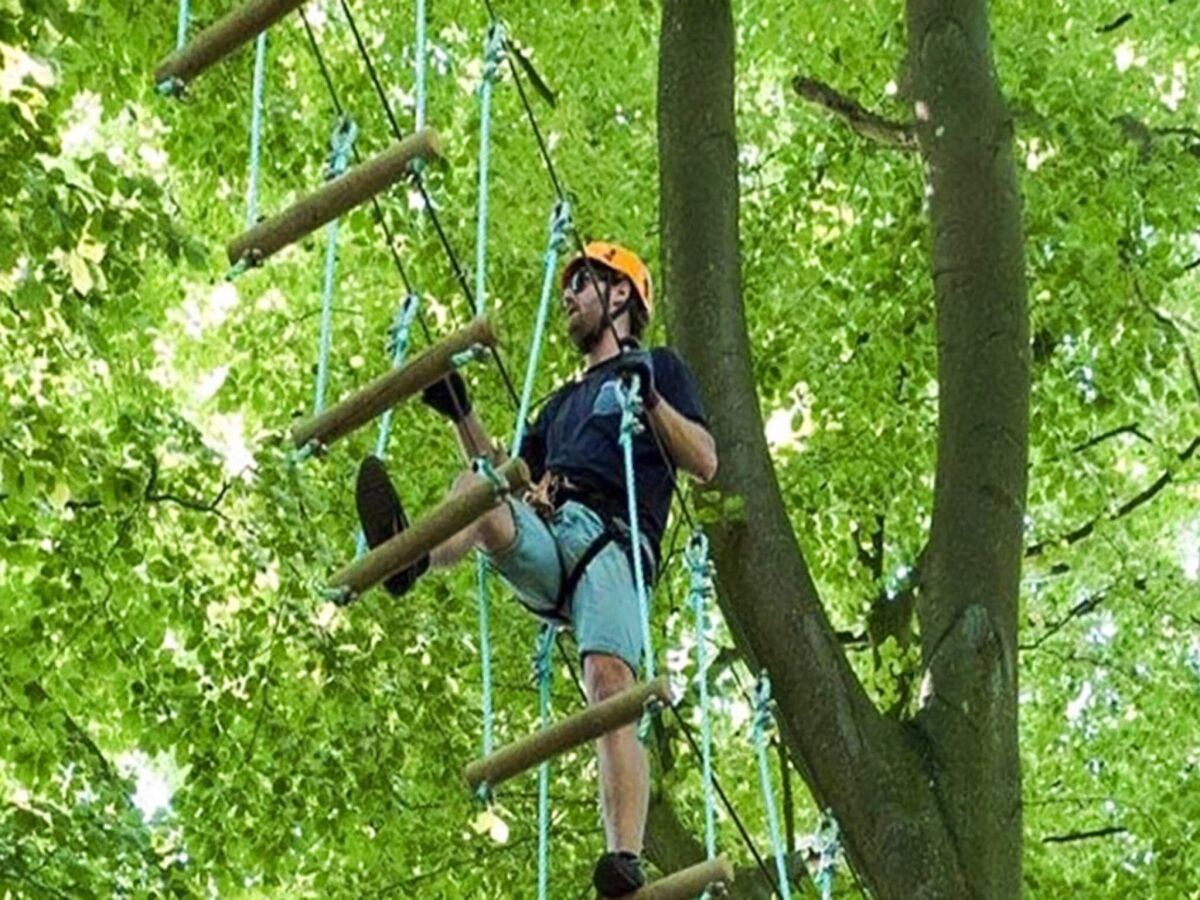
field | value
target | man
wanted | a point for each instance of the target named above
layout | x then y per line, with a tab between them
565	548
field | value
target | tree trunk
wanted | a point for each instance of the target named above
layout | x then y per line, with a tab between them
968	605
881	778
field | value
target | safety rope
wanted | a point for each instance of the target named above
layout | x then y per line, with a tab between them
483	467
829	840
560	226
544	666
763	722
631	408
421	65
181	27
700	572
491	68
260	70
344	134
398	348
389	239
418	181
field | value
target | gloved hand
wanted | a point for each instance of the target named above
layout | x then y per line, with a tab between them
636	361
448	397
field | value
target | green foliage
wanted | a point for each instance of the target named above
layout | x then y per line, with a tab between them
164	553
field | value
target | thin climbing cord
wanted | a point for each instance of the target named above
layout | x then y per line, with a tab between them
420	66
560	224
181	27
696	560
543	662
509	51
344	134
762	722
401	332
379	217
491	67
631	408
260	67
426	201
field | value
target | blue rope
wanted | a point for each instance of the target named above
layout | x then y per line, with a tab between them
398	347
181	28
631	408
560	224
342	143
829	839
260	67
545	671
762	723
483	467
493	55
420	61
700	571
485	661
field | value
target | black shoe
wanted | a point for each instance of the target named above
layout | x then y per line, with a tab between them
383	518
618	874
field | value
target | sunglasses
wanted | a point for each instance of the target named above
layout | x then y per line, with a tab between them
580	278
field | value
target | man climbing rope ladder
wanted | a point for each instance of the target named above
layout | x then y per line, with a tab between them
565	548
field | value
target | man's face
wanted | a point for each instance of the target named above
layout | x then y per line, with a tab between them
582	301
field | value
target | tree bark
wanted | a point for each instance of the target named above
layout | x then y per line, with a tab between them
968	605
868	769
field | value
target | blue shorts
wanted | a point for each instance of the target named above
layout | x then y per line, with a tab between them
603	610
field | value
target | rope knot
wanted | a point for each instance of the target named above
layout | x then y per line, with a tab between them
341	144
560	227
493	53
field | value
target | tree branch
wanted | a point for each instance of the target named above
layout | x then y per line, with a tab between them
1082	608
1115	23
863	122
1133	428
1084	835
1140	500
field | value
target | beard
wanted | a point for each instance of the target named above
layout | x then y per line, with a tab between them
584	333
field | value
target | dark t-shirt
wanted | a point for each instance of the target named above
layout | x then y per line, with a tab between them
577	434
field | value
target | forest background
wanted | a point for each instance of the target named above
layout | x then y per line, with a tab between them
182	713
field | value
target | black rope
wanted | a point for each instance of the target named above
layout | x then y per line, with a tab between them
426	200
375	202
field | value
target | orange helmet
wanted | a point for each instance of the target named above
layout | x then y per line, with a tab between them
619	259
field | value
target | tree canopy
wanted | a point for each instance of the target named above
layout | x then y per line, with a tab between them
183	713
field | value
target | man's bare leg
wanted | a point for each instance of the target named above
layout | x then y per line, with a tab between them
624	771
493	531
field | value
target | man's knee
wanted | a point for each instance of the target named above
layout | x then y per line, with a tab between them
496	529
605	675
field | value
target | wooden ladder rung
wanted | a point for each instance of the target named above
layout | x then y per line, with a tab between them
220	39
451	516
334	198
391	388
687	883
585	725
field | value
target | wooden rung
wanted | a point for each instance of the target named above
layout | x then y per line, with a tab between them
583	726
390	388
219	40
687	883
333	199
447	519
